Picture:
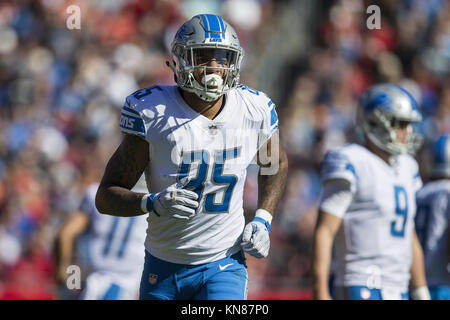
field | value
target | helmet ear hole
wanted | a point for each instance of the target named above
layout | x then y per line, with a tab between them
372	123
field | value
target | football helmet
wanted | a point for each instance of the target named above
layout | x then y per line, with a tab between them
198	41
384	107
440	167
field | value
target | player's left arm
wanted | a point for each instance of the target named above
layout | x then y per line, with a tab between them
65	242
273	168
418	283
273	163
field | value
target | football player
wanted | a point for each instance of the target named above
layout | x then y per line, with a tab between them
367	205
195	141
115	246
432	221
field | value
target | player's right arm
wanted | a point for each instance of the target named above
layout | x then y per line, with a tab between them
338	186
127	164
324	233
122	172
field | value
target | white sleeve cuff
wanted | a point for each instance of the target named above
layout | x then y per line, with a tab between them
336	197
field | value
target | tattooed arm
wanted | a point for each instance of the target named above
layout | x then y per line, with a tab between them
271	180
272	173
121	174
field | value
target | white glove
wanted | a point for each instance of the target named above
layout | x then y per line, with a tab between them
255	239
173	201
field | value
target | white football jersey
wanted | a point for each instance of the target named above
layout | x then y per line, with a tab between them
432	226
212	154
373	245
115	244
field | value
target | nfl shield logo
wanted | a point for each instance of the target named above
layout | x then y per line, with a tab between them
152	278
212	129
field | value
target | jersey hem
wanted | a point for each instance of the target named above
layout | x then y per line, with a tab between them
226	253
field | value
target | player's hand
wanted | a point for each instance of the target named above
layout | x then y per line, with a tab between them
420	293
173	201
255	239
322	294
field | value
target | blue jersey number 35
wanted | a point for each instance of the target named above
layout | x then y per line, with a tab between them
217	177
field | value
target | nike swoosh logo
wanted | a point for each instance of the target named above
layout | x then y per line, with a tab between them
225	266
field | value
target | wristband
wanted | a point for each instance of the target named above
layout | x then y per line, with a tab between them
147	203
420	293
264	217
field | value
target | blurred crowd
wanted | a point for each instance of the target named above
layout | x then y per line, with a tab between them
61	91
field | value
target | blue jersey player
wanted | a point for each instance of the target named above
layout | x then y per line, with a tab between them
194	141
433	221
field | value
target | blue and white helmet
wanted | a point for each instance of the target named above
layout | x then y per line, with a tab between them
206	32
440	167
381	108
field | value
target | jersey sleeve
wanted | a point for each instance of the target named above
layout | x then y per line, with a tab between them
143	113
261	111
269	122
414	167
336	197
131	120
444	205
337	165
417	181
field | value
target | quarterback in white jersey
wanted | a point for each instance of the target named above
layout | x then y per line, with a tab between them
433	221
367	206
115	250
194	141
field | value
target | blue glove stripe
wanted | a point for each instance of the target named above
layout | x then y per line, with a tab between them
264	222
149	204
